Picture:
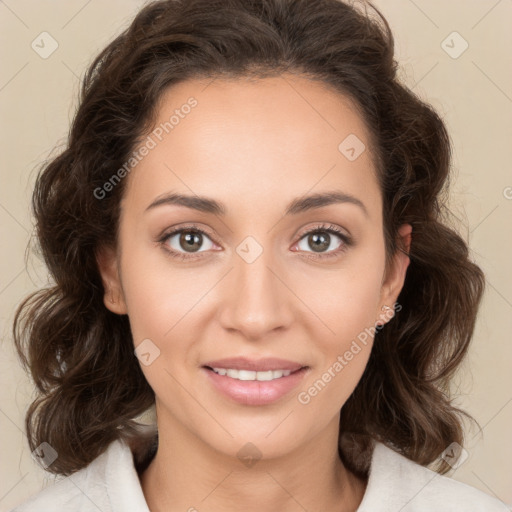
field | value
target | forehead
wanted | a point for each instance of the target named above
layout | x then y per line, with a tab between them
253	143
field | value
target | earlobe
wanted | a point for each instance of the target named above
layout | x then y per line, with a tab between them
394	283
113	297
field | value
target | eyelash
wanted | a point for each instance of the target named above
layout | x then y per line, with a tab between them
324	228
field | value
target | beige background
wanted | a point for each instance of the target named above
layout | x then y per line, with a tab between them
473	93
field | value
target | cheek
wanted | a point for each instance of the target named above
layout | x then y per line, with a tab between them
157	292
161	306
346	302
344	299
166	305
344	352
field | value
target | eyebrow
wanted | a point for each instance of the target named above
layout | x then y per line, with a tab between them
298	205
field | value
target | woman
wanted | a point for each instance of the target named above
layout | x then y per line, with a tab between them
245	231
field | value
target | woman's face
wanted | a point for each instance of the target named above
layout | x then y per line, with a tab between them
248	282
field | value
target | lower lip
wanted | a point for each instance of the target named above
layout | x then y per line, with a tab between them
255	392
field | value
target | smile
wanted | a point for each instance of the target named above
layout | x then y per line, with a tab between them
253	387
252	375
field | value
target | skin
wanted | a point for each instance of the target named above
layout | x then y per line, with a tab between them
254	146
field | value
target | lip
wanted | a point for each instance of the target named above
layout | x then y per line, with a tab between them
254	392
265	364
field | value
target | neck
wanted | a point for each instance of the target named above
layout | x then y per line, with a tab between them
187	474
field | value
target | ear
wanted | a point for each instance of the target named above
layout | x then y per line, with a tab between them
113	297
395	278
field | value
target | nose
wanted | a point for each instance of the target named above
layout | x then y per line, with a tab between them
257	300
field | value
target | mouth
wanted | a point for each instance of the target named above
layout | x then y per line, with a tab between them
255	382
246	375
257	365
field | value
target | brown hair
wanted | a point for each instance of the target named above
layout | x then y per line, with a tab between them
81	356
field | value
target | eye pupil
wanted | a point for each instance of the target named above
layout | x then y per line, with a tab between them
189	239
319	241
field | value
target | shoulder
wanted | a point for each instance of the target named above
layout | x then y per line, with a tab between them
397	483
68	493
109	483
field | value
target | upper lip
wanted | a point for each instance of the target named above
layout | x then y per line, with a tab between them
265	364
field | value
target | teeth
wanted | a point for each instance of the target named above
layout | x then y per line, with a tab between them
251	375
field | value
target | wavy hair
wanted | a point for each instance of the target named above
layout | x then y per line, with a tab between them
81	356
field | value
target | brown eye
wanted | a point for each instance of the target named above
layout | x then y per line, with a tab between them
187	241
190	240
319	242
321	239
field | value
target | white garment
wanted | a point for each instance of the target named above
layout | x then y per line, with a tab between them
395	484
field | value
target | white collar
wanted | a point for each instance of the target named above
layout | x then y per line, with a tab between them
395	483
